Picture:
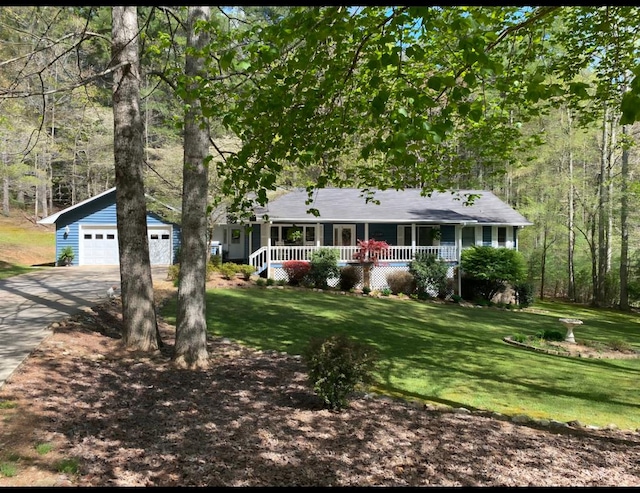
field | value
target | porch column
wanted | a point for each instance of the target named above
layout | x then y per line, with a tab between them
366	231
413	240
268	226
318	243
458	231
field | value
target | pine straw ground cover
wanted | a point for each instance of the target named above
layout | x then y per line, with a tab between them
251	420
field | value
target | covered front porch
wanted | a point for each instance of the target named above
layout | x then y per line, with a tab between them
270	259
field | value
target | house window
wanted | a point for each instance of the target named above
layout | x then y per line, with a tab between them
407	236
425	236
99	236
87	236
111	236
154	237
502	236
235	236
468	236
165	236
310	234
275	234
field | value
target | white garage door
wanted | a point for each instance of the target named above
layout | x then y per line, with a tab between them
160	246
100	246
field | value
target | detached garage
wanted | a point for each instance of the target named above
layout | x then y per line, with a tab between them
90	229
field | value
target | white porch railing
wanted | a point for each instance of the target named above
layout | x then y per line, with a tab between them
278	254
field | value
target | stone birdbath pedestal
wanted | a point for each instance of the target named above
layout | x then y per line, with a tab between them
570	323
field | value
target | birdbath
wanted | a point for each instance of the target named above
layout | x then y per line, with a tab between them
570	323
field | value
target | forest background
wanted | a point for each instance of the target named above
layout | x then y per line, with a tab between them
532	111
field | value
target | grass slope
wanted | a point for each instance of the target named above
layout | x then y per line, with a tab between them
449	354
24	244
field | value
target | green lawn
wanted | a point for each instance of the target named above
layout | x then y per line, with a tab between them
445	353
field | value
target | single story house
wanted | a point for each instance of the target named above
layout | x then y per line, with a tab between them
441	224
90	229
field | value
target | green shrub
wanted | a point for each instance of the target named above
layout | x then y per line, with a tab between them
366	290
229	270
350	276
619	345
8	470
385	291
524	293
246	270
401	281
488	270
336	366
215	260
324	266
261	281
271	281
519	338
68	466
550	335
66	255
430	274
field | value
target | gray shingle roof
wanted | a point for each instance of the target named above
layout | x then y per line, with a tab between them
401	206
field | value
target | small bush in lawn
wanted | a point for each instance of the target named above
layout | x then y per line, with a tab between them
620	345
336	366
271	281
261	281
401	281
550	335
296	271
366	290
385	292
172	272
8	470
521	338
349	277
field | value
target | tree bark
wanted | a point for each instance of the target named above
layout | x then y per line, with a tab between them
624	226
138	310
191	320
571	241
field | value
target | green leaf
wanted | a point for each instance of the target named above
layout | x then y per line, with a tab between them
435	83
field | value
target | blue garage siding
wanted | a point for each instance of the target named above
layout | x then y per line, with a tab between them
100	212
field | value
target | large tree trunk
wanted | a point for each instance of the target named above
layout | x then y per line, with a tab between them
138	310
191	321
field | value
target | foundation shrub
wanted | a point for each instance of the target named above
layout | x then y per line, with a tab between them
401	281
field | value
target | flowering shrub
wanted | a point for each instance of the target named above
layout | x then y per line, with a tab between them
370	250
296	270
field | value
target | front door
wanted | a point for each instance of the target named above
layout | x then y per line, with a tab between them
236	243
344	235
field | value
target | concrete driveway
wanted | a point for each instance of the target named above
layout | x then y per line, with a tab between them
29	303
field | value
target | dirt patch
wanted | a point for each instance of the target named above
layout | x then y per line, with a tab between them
251	420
